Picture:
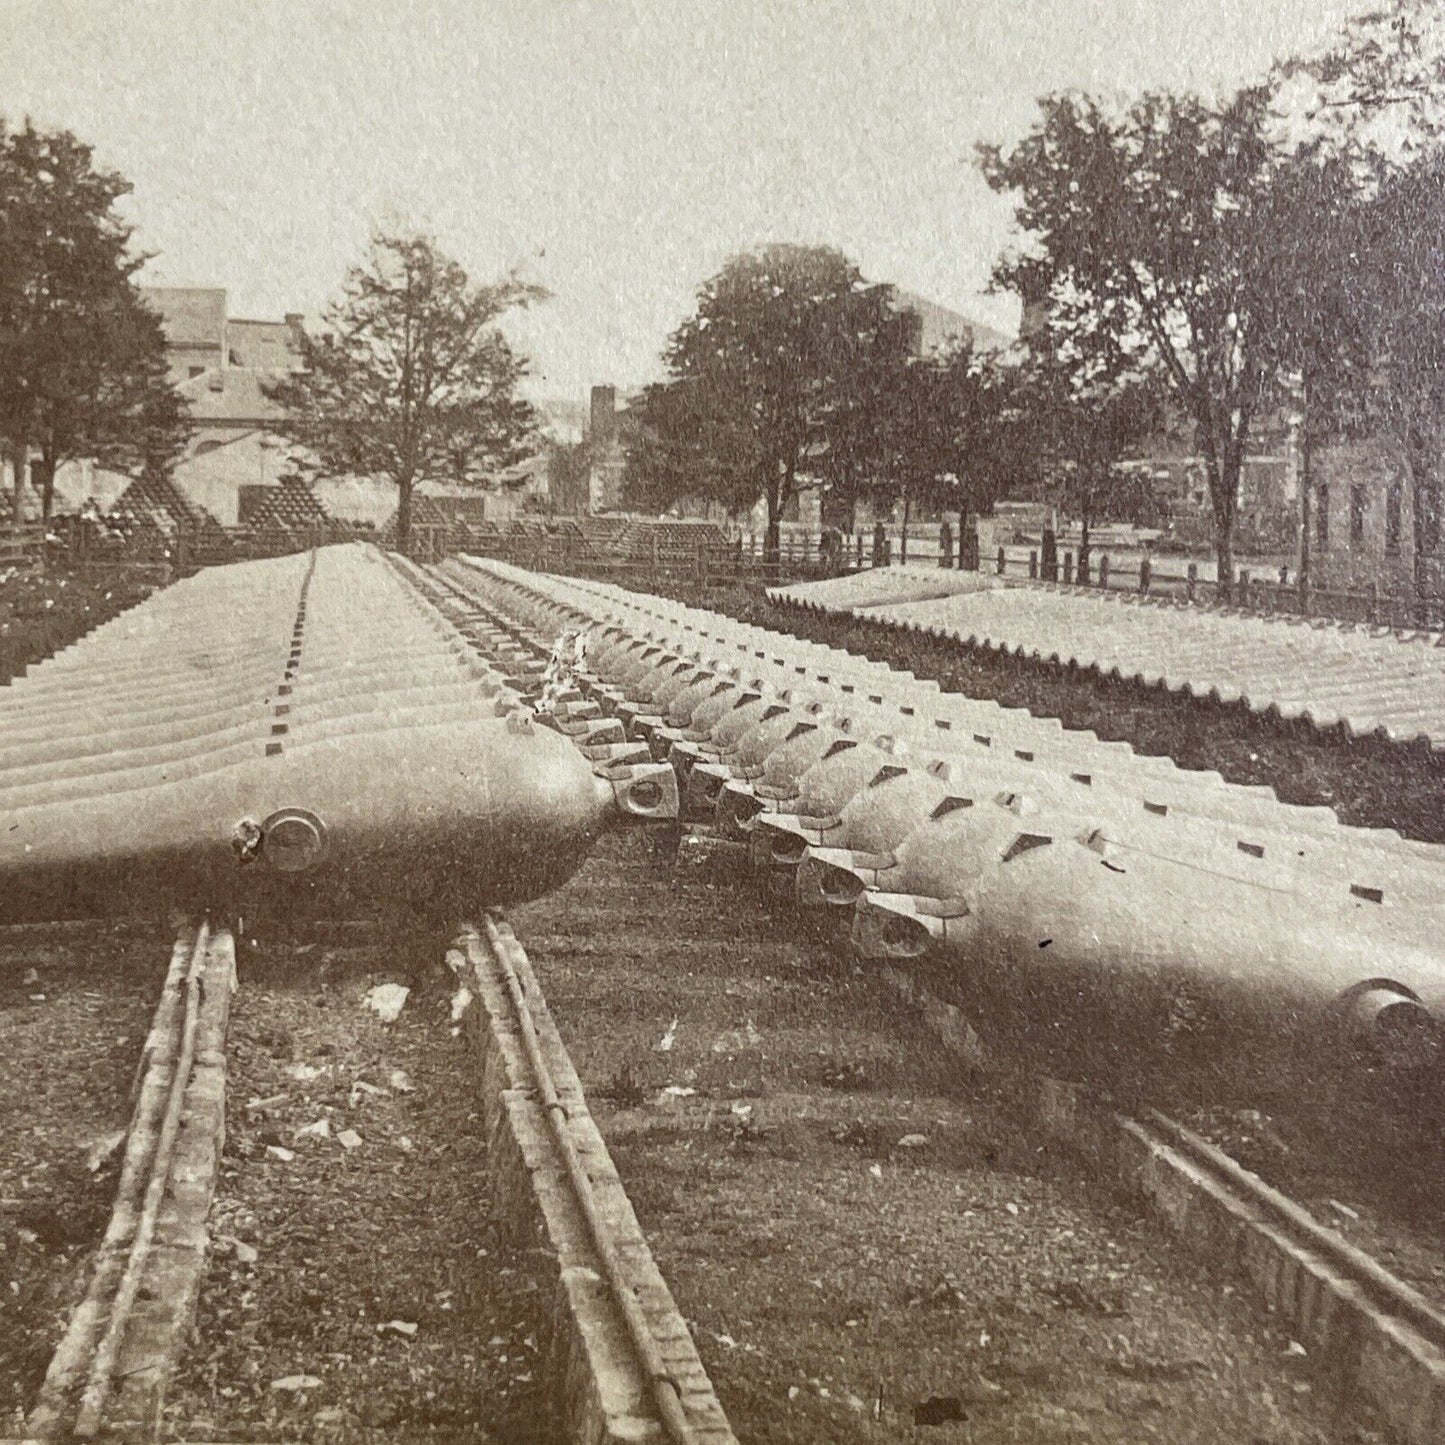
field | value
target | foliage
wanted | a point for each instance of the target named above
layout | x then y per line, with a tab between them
949	432
1147	236
1090	408
82	360
777	341
690	439
410	377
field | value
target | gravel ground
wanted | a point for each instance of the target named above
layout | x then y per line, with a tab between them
1368	783
75	1004
861	1238
355	1289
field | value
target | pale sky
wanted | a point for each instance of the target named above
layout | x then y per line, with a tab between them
616	151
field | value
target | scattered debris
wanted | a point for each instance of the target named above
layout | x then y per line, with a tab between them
303	1074
386	1001
103	1149
296	1382
461	1002
1345	1210
400	1327
277	1152
400	1081
913	1141
349	1139
321	1129
669	1037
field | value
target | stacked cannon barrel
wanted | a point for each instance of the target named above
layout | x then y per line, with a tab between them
1097	901
307	734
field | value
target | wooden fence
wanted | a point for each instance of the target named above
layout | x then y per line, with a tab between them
1252	589
22	549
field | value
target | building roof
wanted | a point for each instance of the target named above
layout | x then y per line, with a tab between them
232	394
268	345
942	325
191	315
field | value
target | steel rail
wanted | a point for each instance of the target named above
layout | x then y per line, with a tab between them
91	1411
504	947
1384	1290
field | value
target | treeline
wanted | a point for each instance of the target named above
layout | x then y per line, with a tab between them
1186	258
82	359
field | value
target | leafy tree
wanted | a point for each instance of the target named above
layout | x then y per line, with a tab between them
948	432
685	438
82	360
1091	406
1146	226
1378	81
764	363
410	377
1403	234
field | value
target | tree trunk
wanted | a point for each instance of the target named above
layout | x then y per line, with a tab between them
1306	480
777	494
1224	533
1419	479
20	460
43	472
403	514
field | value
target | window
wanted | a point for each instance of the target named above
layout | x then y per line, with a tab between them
1357	517
1392	519
1322	517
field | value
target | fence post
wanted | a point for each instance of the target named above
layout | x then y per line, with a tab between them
1146	572
1068	569
858	538
1104	569
1284	574
945	545
1244	587
1033	566
1372	601
1191	580
1001	561
1081	567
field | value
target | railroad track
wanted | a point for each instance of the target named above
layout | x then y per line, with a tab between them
624	1336
1377	1335
110	1369
632	1342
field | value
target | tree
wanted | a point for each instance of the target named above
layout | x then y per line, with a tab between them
687	438
1403	234
110	397
410	377
764	362
82	360
947	433
1090	406
1146	226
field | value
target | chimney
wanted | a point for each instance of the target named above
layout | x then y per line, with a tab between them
604	414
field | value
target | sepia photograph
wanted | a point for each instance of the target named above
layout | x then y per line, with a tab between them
722	723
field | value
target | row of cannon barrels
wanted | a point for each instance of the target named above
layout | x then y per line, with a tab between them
1106	908
306	736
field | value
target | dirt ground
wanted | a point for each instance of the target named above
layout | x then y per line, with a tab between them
75	1005
1369	783
355	1289
863	1239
